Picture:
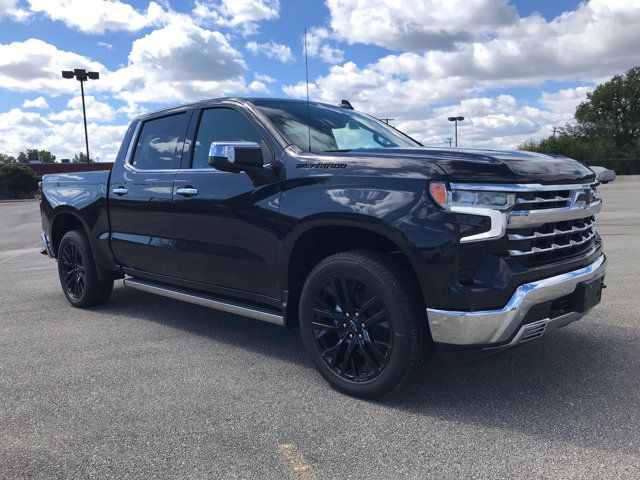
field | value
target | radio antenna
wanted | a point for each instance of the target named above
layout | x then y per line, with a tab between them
306	71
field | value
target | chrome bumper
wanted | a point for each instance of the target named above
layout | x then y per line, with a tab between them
46	244
498	326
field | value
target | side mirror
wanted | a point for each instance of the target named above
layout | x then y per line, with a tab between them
603	175
235	156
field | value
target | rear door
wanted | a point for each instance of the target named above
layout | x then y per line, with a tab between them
140	196
226	229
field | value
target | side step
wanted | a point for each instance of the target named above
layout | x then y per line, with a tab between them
205	300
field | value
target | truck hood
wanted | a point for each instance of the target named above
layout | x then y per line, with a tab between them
489	166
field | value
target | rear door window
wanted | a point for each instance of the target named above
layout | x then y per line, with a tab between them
160	143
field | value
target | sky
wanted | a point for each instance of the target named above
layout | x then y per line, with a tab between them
514	69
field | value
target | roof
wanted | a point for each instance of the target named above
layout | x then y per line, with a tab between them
241	100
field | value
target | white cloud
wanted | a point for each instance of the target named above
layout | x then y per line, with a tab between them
418	25
131	110
259	87
39	102
264	78
20	130
318	46
106	45
244	14
97	16
270	49
179	62
67	139
493	122
9	8
565	101
96	110
592	43
34	65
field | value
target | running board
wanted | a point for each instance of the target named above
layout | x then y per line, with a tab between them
204	300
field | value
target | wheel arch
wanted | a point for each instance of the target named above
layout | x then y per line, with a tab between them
65	221
321	239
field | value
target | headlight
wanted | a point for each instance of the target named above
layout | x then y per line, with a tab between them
447	198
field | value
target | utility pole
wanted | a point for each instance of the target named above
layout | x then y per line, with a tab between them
82	76
456	120
387	120
449	139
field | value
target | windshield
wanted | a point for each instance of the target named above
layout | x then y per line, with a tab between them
330	129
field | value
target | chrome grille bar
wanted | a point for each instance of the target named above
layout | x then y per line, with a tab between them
554	246
558	198
555	233
535	218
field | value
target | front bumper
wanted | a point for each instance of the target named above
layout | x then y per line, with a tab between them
504	327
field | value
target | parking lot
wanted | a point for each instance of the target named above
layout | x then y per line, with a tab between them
149	387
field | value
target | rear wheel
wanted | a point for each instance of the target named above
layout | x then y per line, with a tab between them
362	324
78	272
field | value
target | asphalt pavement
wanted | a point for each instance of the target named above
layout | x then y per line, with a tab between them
147	387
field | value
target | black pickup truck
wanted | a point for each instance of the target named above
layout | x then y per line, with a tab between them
311	215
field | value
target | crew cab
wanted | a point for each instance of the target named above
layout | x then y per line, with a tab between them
316	216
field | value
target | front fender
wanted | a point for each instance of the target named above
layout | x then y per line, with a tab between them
397	209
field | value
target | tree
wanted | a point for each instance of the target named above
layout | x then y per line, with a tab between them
80	157
45	156
4	158
612	110
607	129
18	179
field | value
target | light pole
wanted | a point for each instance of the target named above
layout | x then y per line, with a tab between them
456	120
82	76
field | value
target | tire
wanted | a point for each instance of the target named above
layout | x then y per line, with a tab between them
78	273
355	303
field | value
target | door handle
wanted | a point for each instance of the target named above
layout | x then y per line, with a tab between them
120	191
187	191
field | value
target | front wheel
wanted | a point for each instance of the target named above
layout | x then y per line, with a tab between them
362	323
78	272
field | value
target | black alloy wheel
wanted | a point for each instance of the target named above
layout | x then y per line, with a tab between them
78	272
351	328
363	323
73	273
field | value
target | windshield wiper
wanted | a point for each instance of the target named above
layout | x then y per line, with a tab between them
338	150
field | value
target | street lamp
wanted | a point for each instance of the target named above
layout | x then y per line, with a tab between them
82	76
456	120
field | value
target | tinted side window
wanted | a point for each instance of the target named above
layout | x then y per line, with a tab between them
160	143
218	125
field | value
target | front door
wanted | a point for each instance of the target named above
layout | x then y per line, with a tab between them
140	197
226	222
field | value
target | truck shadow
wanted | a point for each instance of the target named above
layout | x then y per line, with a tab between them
573	386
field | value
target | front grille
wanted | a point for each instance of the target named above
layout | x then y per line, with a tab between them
552	241
546	224
557	239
